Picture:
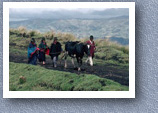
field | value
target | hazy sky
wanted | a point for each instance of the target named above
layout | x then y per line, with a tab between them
39	10
67	13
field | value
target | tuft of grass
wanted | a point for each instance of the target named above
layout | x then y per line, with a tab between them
41	79
22	79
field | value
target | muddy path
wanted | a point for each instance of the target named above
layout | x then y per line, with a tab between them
105	71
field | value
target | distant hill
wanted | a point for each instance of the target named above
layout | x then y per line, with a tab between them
119	40
99	23
114	27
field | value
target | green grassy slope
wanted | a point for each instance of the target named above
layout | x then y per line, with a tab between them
41	79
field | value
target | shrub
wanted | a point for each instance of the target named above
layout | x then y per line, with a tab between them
49	35
22	31
32	33
125	50
64	37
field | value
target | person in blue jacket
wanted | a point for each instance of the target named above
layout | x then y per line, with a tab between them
32	52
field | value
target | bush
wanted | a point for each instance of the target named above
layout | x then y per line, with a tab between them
64	37
49	35
125	50
32	33
22	31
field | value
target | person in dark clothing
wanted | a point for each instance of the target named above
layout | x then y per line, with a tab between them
32	52
42	47
55	51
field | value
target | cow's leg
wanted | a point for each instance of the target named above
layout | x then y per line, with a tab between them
87	60
90	61
79	61
73	63
66	54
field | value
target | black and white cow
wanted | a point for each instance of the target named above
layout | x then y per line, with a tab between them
76	50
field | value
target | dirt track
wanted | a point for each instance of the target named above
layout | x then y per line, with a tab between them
105	71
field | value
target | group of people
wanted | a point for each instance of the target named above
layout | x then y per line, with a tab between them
38	53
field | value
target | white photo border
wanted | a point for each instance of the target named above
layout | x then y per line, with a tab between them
69	94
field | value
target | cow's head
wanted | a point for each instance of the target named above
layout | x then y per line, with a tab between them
87	49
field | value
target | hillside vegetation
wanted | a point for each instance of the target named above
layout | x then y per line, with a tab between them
40	79
111	62
106	50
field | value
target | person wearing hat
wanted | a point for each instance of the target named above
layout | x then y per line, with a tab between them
32	52
92	50
42	47
55	51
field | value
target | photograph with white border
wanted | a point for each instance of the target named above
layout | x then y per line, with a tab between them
68	49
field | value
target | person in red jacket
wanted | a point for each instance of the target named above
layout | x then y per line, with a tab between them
92	50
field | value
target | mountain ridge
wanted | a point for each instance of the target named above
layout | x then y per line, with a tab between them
79	27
